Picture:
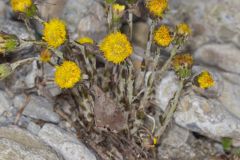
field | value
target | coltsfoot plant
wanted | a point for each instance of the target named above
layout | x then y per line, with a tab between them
106	75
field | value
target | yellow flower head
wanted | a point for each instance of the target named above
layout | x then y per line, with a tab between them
20	5
162	36
116	47
45	55
183	29
182	61
54	32
157	7
85	40
118	8
205	80
67	75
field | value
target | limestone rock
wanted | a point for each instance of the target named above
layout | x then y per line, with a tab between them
18	144
65	143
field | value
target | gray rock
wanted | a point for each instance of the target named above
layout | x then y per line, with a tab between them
2	8
176	136
31	76
166	89
65	143
40	108
16	28
85	18
18	144
4	102
212	117
140	33
33	128
193	148
223	56
209	19
51	8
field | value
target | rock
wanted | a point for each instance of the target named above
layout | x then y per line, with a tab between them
40	108
4	102
18	144
176	136
51	8
213	117
16	28
51	88
210	20
2	8
223	56
193	148
166	89
85	18
33	128
65	143
140	33
31	76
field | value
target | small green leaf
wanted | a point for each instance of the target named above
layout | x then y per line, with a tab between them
226	143
110	1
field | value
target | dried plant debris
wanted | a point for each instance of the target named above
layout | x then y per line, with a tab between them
107	114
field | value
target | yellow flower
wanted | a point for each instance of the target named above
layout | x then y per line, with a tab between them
205	80
116	47
45	55
118	8
20	5
54	32
157	7
85	40
184	29
67	75
162	36
182	61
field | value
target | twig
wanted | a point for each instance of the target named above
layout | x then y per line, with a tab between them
173	106
20	111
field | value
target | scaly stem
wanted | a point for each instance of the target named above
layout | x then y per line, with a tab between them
172	109
39	19
168	62
21	62
149	43
110	18
130	23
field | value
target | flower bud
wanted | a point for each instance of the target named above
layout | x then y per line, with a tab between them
5	70
118	11
182	65
8	42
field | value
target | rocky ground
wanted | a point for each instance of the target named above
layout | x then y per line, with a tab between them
32	127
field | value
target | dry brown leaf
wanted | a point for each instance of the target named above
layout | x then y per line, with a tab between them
107	114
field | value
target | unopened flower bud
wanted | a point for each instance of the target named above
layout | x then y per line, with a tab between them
8	42
5	70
